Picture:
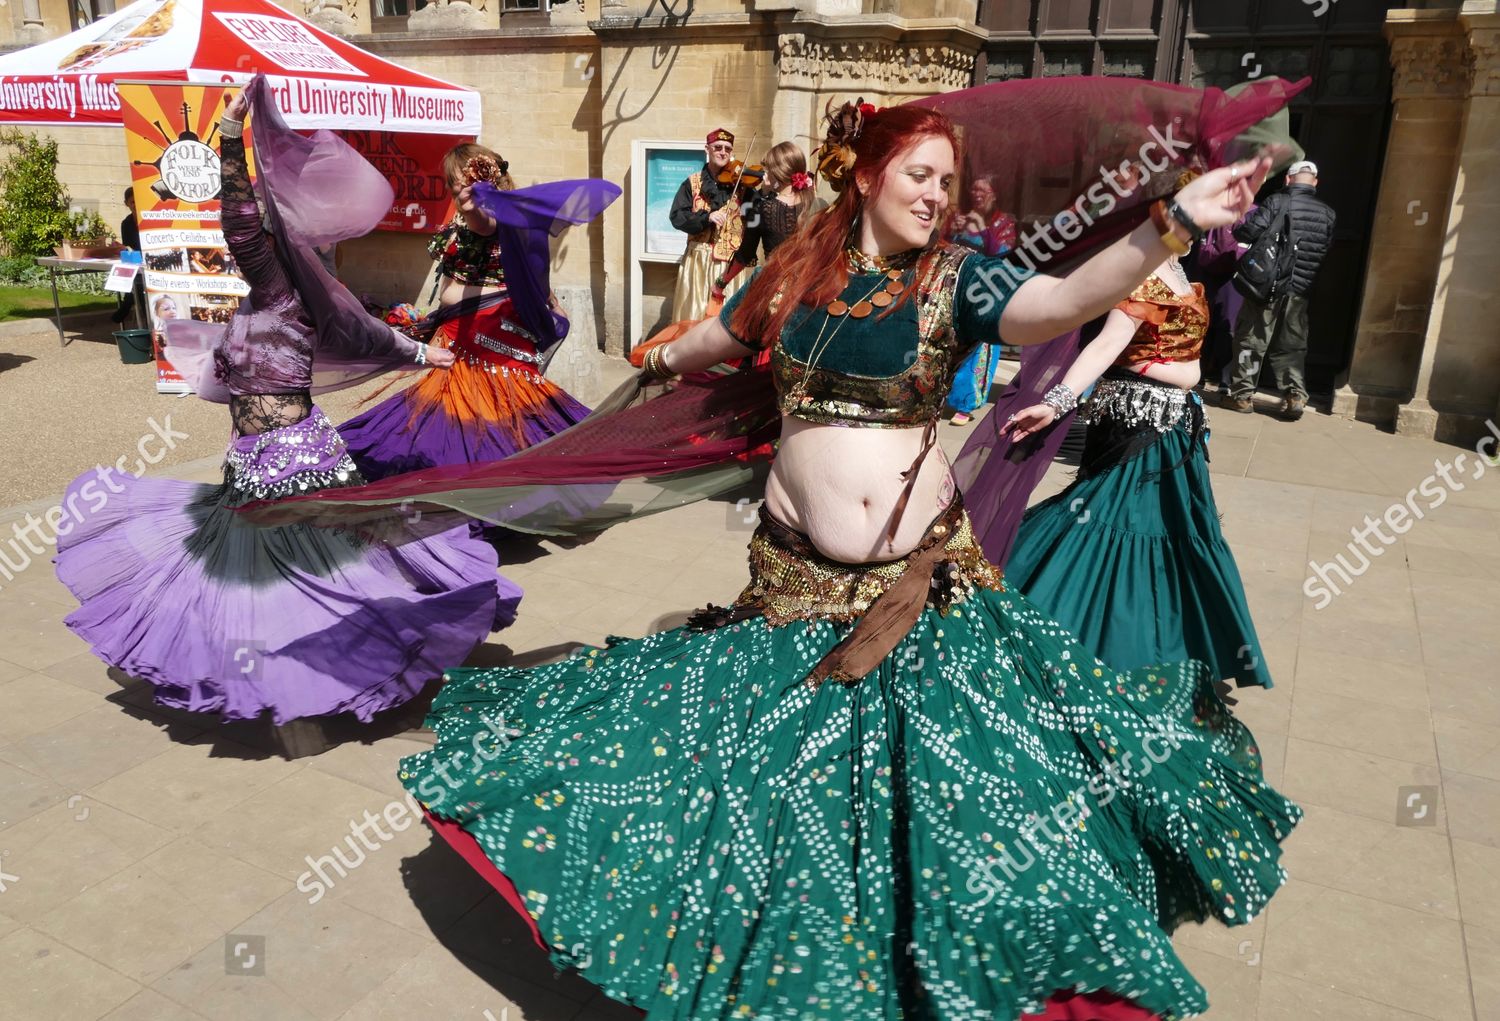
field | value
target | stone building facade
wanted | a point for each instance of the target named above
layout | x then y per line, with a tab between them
1405	98
1426	359
567	89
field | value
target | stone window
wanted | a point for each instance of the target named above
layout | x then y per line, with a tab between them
390	15
86	12
1048	38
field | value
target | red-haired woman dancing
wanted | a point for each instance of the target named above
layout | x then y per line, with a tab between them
881	784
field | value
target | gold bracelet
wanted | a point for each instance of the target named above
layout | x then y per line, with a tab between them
654	364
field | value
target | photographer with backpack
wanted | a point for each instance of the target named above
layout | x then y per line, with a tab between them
1289	234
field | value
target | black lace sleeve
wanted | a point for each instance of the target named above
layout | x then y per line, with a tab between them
241	222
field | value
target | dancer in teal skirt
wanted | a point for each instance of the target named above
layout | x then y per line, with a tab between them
1130	557
882	784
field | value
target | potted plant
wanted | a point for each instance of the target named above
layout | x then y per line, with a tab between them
85	236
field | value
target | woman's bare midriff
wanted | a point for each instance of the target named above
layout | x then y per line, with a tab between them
452	292
839	486
1184	375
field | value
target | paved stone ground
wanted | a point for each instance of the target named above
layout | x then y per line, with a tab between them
141	848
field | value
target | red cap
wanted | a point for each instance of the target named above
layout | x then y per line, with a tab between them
720	135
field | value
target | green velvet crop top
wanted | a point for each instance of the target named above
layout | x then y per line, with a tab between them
893	368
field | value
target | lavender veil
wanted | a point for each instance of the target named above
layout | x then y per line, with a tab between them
317	190
526	217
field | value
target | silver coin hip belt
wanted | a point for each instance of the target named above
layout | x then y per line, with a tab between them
1135	402
490	354
297	458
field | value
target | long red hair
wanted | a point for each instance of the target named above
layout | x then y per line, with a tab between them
809	267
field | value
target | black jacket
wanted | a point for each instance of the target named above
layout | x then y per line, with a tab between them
682	215
130	233
1312	229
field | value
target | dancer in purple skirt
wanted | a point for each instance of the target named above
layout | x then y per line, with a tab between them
497	314
220	615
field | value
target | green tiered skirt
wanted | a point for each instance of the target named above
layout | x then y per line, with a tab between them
1132	560
990	817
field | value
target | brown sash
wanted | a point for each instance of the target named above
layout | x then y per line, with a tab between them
895	612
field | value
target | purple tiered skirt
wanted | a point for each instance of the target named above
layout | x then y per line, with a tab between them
220	615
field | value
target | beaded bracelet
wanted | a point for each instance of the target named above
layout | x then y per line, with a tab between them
1061	398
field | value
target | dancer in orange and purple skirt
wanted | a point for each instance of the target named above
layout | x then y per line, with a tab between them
498	315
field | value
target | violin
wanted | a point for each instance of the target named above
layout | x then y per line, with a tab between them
742	175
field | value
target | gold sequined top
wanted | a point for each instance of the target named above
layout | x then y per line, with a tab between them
1173	324
893	368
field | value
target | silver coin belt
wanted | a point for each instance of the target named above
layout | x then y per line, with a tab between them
297	462
1134	404
500	347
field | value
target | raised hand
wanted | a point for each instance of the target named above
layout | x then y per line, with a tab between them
1220	197
237	106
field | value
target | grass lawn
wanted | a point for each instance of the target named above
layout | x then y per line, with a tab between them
36	302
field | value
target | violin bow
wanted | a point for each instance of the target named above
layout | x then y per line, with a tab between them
741	175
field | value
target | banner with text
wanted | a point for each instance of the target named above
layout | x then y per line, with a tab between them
170	136
414	166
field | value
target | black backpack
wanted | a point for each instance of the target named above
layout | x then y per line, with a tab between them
1265	270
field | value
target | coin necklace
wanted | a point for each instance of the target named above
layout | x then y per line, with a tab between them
879	297
882	294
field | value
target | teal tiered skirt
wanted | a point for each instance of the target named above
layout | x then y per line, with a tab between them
1131	559
990	817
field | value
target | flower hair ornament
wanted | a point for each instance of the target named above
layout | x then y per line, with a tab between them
835	157
482	168
801	181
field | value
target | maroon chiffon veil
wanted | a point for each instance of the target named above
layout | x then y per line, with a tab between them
1098	151
1076	161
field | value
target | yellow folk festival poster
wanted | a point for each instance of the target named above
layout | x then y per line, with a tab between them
171	136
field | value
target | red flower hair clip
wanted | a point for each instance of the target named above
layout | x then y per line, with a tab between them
801	181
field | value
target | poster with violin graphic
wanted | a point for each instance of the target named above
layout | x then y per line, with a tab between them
171	136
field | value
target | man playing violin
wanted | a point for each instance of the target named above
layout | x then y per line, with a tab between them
708	211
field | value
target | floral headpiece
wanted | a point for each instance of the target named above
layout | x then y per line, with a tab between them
835	157
483	168
801	181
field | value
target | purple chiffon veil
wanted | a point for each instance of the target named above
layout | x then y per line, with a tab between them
1092	154
317	190
526	218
